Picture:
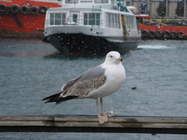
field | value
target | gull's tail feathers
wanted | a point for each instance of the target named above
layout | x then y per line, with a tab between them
58	98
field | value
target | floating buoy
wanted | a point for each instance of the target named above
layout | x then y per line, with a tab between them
133	88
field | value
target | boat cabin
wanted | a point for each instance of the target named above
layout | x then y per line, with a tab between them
110	15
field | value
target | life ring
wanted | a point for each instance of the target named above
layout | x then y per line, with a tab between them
167	34
2	8
43	9
144	34
14	9
173	35
24	9
159	34
180	35
152	34
34	10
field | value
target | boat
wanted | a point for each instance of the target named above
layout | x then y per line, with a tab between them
91	27
24	18
160	28
156	30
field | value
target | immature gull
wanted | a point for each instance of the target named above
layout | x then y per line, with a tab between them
95	83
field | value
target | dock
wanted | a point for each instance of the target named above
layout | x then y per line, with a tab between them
89	124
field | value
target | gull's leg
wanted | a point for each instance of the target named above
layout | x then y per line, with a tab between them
98	112
97	105
102	107
104	117
103	112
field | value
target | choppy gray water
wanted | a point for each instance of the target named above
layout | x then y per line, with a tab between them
31	70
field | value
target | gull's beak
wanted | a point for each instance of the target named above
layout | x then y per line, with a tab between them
120	59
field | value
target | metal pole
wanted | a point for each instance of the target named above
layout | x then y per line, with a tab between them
167	7
184	8
149	7
130	2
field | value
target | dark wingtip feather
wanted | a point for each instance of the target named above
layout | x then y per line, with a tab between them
52	97
63	99
57	98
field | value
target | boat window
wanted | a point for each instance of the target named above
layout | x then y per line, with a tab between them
86	1
75	18
63	18
108	20
71	1
91	19
118	21
130	22
101	1
112	20
57	18
52	19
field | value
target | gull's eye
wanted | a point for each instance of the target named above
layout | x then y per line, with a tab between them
111	56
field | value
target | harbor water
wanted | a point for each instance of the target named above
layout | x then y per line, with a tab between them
31	70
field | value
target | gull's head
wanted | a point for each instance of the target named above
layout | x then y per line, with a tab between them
113	57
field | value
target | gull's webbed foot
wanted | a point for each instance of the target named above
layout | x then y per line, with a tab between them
102	118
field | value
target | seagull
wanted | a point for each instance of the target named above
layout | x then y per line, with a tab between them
95	83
